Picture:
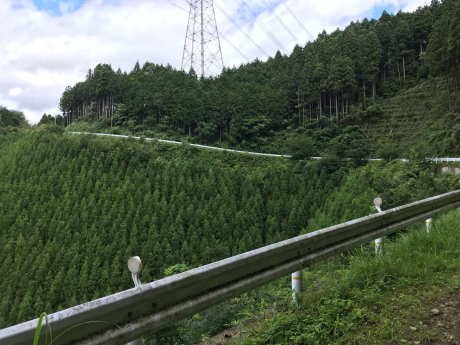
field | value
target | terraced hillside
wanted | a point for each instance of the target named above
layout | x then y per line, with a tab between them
422	117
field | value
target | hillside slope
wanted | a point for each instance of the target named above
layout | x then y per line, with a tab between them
75	208
422	117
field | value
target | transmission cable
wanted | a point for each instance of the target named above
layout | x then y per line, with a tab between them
239	27
233	46
281	22
262	26
172	3
298	21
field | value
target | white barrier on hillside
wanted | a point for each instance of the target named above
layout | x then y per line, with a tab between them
437	160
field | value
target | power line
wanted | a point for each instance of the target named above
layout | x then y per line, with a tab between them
234	23
264	28
183	9
281	22
298	21
233	46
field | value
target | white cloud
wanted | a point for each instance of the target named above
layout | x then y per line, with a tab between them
66	7
15	91
41	54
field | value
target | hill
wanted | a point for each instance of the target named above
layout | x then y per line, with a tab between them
384	79
75	208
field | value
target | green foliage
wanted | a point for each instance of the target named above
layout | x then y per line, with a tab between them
454	32
388	151
346	294
11	118
341	79
350	144
396	182
50	120
74	208
39	328
52	128
176	269
301	147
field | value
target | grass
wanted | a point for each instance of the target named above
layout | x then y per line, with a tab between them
39	328
359	298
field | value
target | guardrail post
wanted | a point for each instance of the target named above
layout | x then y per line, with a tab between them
429	222
135	266
378	241
296	285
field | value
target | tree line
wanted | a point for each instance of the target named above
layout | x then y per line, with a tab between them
328	83
11	119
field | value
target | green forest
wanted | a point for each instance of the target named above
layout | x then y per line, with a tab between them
10	120
330	91
74	208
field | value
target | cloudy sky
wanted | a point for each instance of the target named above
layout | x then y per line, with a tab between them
46	45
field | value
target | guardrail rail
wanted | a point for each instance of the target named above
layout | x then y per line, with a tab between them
152	306
436	160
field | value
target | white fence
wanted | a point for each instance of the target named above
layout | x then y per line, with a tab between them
437	160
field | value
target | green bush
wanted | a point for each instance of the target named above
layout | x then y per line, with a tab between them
300	147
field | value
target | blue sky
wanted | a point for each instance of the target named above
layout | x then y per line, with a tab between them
55	6
377	12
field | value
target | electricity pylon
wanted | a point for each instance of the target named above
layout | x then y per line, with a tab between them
202	45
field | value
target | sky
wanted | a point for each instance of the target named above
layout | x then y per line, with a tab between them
46	45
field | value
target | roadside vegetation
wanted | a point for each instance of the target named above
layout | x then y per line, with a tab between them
361	298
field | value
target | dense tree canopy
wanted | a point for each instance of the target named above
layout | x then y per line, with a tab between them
11	118
74	209
51	120
322	87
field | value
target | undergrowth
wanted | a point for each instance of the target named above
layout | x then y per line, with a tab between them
351	293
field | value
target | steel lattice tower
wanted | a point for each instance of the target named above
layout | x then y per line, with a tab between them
202	45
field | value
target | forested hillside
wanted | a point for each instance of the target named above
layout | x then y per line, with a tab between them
322	90
73	209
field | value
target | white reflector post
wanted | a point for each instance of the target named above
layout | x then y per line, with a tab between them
135	266
379	246
296	284
378	241
139	341
378	203
429	223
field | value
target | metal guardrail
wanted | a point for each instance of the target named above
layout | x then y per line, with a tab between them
436	160
150	307
196	145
